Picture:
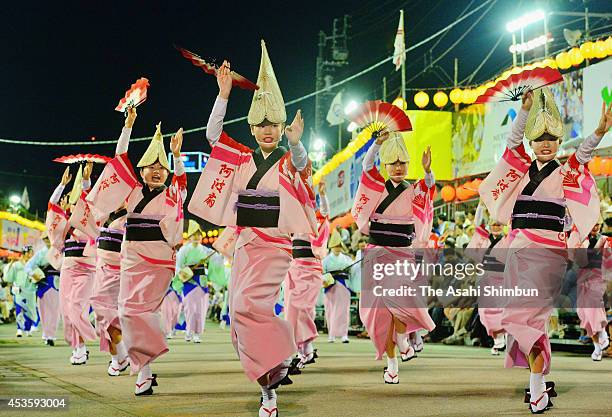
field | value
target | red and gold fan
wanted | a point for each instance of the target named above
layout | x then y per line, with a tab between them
237	79
513	87
83	157
135	96
376	116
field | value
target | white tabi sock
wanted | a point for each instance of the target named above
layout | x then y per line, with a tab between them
392	365
145	372
536	385
308	349
268	397
81	350
121	351
402	342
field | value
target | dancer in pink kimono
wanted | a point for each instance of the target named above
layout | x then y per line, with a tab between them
47	292
105	297
535	196
77	267
191	267
396	215
154	227
266	194
303	284
591	286
337	298
171	307
486	245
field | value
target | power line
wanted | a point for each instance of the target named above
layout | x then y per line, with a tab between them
297	100
431	64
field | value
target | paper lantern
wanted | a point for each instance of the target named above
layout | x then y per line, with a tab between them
463	193
469	96
600	49
576	57
595	166
563	60
609	45
401	103
455	95
421	99
606	167
447	193
440	99
549	62
588	50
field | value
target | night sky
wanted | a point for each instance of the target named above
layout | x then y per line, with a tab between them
65	65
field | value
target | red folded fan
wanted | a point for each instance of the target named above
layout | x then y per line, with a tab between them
135	96
237	79
375	116
513	87
83	157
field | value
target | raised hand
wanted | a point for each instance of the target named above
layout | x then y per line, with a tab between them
605	122
527	100
426	160
176	143
383	135
131	116
322	187
87	171
66	177
224	80
64	203
295	130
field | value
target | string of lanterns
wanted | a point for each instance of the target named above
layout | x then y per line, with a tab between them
598	166
574	57
33	224
208	236
599	49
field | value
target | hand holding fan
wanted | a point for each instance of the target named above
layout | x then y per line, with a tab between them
135	96
83	157
513	87
376	116
237	79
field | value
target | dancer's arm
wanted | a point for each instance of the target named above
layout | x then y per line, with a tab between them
124	140
57	193
584	153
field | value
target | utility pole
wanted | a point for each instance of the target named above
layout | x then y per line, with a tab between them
333	54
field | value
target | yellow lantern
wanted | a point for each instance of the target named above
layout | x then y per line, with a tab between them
421	99
480	90
455	96
575	56
600	49
549	62
401	103
469	96
588	50
440	99
490	84
609	45
563	60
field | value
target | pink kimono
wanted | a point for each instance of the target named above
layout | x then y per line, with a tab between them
486	247
154	227
395	216
267	199
591	285
303	283
537	243
76	275
105	298
170	311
